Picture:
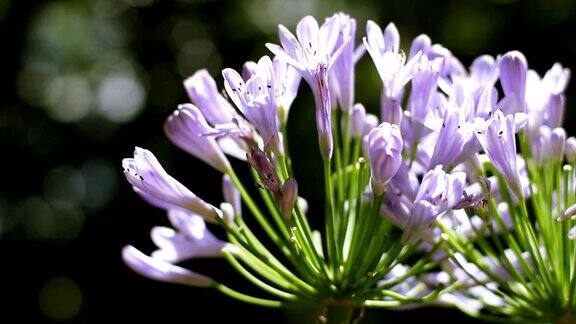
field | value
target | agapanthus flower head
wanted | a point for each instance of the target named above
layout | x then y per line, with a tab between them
453	195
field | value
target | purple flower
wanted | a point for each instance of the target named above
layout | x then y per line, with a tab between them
545	97
384	50
231	194
424	84
287	82
289	197
385	152
569	213
556	79
554	110
438	192
230	128
450	66
572	233
145	173
570	149
357	118
191	238
453	140
513	69
204	93
390	110
187	129
422	215
370	122
497	137
441	189
256	98
342	73
557	143
313	54
161	270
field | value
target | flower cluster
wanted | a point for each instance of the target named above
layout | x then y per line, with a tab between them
459	191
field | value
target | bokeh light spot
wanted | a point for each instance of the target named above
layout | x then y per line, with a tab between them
120	97
64	183
60	299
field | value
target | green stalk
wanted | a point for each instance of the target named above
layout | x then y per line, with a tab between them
274	291
330	226
246	298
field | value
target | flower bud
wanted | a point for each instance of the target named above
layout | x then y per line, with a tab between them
572	233
568	213
370	121
554	110
145	173
385	152
557	142
231	195
289	196
357	116
187	129
570	149
248	69
228	213
513	69
161	270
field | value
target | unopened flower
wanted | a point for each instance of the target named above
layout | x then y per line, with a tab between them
385	151
204	93
357	117
342	73
570	149
231	194
513	68
161	270
219	113
190	239
289	197
188	130
557	142
145	173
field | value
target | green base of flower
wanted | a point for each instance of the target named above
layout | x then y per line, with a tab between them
568	319
330	312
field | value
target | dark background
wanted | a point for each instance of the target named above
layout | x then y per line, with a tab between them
84	81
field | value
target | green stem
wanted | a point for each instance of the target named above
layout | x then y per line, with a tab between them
246	298
274	291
